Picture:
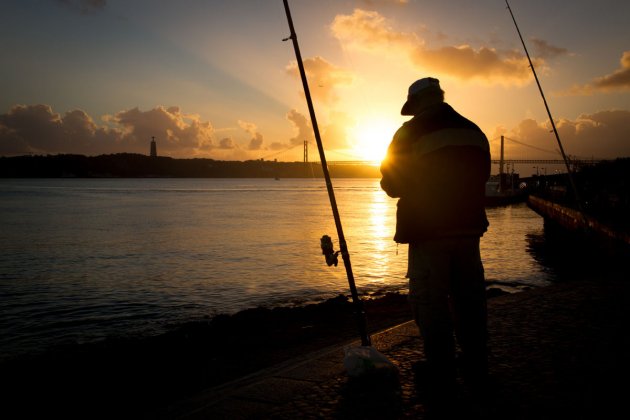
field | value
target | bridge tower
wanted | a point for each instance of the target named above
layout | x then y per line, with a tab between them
501	168
305	151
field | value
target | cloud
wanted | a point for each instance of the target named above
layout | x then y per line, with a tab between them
255	143
466	63
226	143
179	133
276	145
84	6
303	126
335	133
304	132
374	3
38	129
545	50
370	31
323	78
603	134
618	80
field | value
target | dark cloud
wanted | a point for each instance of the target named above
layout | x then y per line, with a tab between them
618	80
543	49
84	6
38	129
602	134
179	133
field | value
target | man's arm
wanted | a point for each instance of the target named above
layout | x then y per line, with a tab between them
390	182
395	166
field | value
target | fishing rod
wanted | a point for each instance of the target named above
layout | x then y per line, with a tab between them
553	124
326	243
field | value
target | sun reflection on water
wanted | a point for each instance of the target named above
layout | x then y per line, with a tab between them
372	231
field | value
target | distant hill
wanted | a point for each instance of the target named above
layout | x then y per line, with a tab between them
128	165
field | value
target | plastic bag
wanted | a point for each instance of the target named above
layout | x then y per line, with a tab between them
366	360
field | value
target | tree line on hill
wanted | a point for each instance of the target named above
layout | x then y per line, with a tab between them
129	165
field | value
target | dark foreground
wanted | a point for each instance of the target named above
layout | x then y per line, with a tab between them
556	353
136	376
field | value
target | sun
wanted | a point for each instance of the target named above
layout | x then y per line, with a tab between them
371	138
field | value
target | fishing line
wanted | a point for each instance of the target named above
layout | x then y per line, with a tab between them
553	124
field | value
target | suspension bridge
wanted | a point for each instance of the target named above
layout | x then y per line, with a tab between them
573	160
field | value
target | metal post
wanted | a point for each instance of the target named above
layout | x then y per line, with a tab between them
359	312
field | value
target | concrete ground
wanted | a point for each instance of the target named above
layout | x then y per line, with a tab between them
556	352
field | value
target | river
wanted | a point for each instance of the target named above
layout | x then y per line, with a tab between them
83	259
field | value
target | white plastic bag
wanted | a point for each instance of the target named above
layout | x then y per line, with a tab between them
364	360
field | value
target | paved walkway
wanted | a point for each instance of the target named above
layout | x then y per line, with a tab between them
556	352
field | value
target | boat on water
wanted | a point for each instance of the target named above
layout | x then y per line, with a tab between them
506	187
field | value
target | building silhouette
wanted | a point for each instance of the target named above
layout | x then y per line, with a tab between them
153	152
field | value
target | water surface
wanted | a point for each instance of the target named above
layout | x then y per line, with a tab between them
81	259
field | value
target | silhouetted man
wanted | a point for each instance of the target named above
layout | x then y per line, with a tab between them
437	165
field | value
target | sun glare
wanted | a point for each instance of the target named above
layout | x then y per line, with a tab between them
371	138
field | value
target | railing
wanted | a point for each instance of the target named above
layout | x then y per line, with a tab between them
494	161
550	161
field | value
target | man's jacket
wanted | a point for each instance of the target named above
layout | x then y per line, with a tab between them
437	164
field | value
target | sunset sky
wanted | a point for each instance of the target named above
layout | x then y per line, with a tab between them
213	78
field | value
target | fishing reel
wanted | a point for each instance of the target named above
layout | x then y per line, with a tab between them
329	253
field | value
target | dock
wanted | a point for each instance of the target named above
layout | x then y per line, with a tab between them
573	221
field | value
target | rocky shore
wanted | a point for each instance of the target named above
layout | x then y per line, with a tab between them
557	352
131	374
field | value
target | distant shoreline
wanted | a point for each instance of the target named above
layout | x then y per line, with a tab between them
129	165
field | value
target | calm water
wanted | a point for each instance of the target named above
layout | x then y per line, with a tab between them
81	259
